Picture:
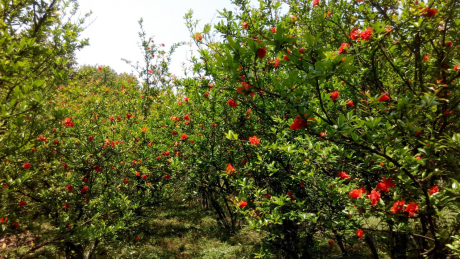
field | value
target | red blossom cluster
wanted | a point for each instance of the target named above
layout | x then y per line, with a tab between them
68	123
364	35
232	103
343	48
344	176
254	140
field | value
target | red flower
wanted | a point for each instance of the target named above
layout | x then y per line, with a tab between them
111	118
331	243
262	52
3	220
167	176
100	68
230	168
243	204
274	30
343	176
426	58
360	233
186	99
298	123
315	2
254	140
448	44
374	197
67	122
144	176
343	48
328	14
386	184
456	68
433	189
355	194
206	94
430	12
268	196
412	208
365	35
186	117
383	98
350	103
97	168
138	174
56	142
184	137
398	206
354	34
84	189
119	118
382	187
22	203
232	103
91	138
198	37
334	95
137	238
26	165
286	58
69	188
128	115
245	25
65	206
389	183
16	224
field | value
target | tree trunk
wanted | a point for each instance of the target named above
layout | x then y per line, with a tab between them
339	240
92	248
372	247
73	251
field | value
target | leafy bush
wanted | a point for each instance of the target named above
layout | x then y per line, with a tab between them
330	127
355	105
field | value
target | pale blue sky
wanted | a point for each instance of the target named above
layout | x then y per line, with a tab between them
114	33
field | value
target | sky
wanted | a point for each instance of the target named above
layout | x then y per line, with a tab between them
113	34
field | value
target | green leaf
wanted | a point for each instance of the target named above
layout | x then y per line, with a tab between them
309	39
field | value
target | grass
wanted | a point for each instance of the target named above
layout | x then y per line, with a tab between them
182	230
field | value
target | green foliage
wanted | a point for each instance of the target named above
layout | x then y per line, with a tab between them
37	49
370	105
332	128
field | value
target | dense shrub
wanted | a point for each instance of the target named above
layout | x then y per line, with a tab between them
356	105
327	126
